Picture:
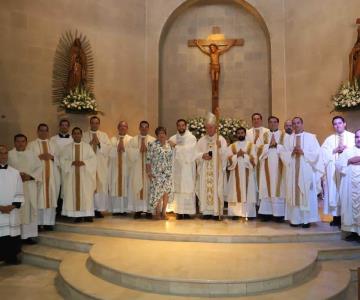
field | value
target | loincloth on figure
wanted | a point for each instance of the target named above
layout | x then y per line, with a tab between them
215	68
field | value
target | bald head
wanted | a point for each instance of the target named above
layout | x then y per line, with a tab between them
122	127
288	126
3	154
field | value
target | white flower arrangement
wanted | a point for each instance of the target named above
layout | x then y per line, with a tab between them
79	100
227	127
347	97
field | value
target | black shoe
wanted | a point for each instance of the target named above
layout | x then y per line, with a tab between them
98	214
352	237
77	220
294	225
137	215
88	219
336	221
179	217
278	219
186	217
251	218
29	241
235	218
148	216
217	218
206	217
116	214
124	214
13	261
41	228
307	225
49	227
265	218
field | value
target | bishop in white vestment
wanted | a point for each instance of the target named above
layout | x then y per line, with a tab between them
184	171
119	170
30	168
348	165
301	158
332	148
272	172
11	198
241	187
48	187
78	165
139	184
101	145
211	155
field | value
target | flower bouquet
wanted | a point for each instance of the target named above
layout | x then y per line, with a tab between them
347	97
79	100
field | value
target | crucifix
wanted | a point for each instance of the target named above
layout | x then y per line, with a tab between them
214	46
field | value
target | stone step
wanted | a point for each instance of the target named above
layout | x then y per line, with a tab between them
331	282
203	231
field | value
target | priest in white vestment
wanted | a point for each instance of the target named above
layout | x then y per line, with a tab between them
348	165
11	198
101	145
78	165
48	188
139	183
119	171
272	172
241	189
62	139
301	158
288	127
184	171
252	135
211	155
332	148
30	168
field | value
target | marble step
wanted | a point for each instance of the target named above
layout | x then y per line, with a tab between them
331	282
75	281
203	231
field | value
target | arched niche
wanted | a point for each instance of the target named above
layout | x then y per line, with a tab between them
184	83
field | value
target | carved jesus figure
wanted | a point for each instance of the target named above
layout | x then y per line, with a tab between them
214	53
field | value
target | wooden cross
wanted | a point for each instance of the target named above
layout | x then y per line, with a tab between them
214	46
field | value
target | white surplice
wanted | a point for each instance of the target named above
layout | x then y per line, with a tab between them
101	198
27	162
241	189
79	185
349	191
11	190
211	175
139	184
302	208
118	189
272	174
184	173
47	191
332	183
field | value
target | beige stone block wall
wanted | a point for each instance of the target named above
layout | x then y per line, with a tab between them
29	34
185	88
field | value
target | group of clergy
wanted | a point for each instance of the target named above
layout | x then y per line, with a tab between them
266	172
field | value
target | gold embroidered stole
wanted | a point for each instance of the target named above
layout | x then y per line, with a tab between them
94	146
237	176
45	150
280	167
142	142
297	171
210	177
77	178
120	166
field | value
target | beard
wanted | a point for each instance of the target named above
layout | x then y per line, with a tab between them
241	138
182	131
288	130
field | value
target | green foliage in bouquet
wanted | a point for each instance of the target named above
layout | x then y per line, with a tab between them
227	127
79	100
347	97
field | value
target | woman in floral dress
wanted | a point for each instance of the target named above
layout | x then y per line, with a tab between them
159	164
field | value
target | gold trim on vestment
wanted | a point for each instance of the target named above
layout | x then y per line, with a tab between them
47	174
297	171
120	174
237	177
77	178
